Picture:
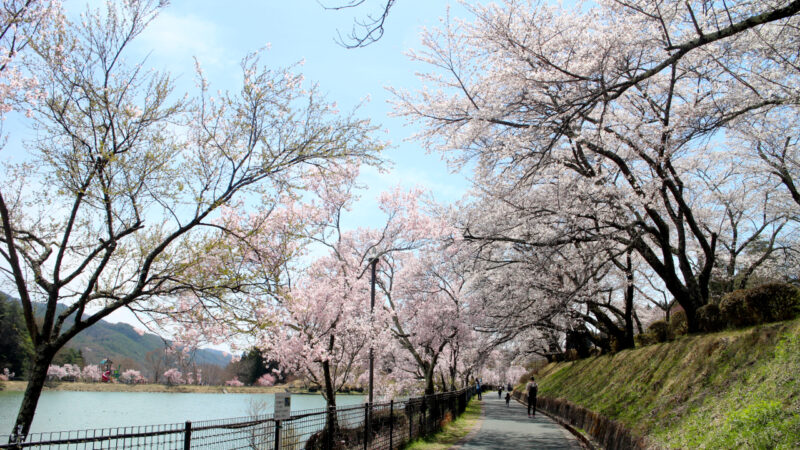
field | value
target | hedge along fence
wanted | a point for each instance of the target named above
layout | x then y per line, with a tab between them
610	434
771	302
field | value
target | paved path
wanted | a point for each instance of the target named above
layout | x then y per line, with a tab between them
510	428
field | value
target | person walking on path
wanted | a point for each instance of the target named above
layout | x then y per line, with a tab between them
500	392
505	428
532	389
508	398
478	389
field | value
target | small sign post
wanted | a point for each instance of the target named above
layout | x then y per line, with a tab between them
283	406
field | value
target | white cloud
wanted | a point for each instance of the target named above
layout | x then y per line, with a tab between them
175	39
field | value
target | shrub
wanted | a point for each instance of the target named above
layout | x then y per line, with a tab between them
736	311
266	380
234	382
678	325
617	345
709	318
659	331
643	339
774	301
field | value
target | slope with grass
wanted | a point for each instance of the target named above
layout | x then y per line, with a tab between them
732	389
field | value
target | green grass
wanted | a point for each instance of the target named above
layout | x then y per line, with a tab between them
452	432
734	389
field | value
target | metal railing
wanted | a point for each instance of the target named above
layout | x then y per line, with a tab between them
379	426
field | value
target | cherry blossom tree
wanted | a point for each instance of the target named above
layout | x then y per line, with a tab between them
327	327
72	371
620	103
56	372
21	23
91	373
131	376
6	374
756	232
139	175
266	380
459	360
234	382
174	377
428	305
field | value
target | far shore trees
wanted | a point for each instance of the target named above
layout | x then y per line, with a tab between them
118	204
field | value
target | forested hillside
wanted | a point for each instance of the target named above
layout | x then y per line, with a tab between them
117	341
741	384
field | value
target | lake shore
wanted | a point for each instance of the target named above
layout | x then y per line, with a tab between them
121	387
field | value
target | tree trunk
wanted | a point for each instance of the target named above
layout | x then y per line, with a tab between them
628	341
429	388
330	395
331	424
692	324
43	356
432	404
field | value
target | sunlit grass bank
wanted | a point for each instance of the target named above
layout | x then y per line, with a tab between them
452	432
733	389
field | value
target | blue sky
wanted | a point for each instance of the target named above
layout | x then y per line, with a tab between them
219	34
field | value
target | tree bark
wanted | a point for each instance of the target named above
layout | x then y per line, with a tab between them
43	356
330	395
330	398
429	388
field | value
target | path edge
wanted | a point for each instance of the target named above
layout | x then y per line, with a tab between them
471	435
586	442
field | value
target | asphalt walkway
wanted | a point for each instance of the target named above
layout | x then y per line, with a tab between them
510	428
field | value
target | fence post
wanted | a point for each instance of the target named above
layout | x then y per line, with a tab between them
391	424
366	424
410	422
277	434
187	436
440	409
423	429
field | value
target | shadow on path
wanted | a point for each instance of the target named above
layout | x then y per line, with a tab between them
510	428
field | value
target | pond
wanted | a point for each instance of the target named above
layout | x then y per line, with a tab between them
65	410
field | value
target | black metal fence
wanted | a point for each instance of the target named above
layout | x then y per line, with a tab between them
381	426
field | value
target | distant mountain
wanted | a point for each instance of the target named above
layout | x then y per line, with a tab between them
120	340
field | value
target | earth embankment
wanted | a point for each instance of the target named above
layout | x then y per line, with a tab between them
733	389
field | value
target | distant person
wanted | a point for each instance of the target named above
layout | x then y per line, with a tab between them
500	392
508	398
532	389
509	388
478	389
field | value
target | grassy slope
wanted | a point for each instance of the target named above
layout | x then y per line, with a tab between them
734	389
452	432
